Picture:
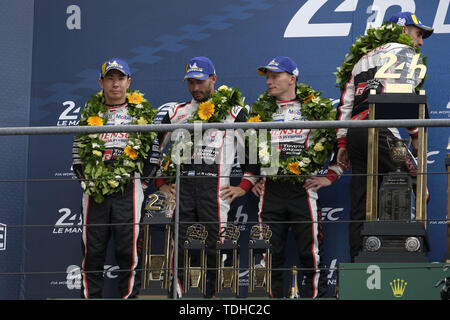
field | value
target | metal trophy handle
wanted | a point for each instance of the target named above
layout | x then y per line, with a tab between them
260	275
194	277
227	279
156	275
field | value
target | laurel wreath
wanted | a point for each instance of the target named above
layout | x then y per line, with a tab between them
218	106
102	179
314	107
215	109
376	37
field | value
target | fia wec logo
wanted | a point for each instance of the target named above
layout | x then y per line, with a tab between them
74	277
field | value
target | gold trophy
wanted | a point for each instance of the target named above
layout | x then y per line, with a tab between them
399	153
227	279
394	237
259	278
158	211
194	277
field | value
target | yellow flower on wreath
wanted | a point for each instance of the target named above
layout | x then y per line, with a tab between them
95	121
223	88
205	110
135	97
113	183
294	168
130	152
97	153
256	118
142	120
319	147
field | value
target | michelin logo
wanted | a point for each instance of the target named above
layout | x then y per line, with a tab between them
2	236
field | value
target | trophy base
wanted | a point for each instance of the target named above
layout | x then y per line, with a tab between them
393	241
154	291
193	293
258	292
226	293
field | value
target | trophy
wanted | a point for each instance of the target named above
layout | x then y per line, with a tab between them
227	279
388	240
194	277
396	192
158	211
395	237
259	278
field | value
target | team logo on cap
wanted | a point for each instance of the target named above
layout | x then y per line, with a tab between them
194	68
114	64
108	65
401	21
295	72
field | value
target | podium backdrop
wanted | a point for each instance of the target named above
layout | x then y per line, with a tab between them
52	51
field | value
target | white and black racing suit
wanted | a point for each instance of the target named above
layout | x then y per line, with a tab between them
354	106
200	183
122	210
285	205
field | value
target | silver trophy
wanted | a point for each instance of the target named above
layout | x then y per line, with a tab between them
194	277
156	275
260	275
227	279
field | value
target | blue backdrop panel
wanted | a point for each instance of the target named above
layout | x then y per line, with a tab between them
16	35
71	39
